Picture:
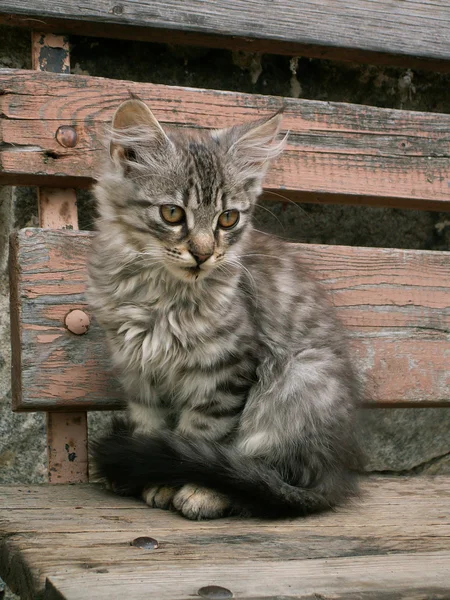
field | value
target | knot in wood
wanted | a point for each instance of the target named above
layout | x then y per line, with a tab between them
66	136
77	322
214	592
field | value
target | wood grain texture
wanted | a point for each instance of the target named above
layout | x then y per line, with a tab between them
412	33
394	303
336	152
67	454
394	541
77	373
422	576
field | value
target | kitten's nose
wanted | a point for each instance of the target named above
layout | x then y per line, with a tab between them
201	258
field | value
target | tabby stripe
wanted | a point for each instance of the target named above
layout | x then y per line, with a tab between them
233	387
225	411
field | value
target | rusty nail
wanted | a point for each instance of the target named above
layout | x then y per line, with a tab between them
66	136
147	543
77	322
215	592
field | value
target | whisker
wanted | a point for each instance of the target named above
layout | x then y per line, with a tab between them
239	264
289	200
271	213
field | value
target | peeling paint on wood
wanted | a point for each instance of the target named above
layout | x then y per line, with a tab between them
66	432
337	152
67	447
50	53
394	303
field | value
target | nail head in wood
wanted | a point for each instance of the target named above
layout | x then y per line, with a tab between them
214	592
146	543
66	136
77	322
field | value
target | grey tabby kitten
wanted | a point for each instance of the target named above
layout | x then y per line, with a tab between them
241	396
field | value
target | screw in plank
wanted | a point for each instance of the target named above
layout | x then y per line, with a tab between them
77	322
66	136
147	543
214	592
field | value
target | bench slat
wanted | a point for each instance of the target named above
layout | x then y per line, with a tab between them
336	152
392	543
394	302
409	33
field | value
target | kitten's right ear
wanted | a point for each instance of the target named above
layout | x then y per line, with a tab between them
133	126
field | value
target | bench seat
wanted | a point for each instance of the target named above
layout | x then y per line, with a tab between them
62	541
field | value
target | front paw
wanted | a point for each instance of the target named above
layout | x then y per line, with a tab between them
196	503
159	496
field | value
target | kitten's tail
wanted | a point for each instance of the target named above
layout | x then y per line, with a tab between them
133	463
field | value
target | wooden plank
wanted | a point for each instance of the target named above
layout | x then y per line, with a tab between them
82	534
394	303
411	33
336	152
79	375
377	492
371	578
67	456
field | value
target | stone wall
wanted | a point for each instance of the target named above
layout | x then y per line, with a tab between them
396	440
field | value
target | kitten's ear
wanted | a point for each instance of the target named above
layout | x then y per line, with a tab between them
252	146
134	126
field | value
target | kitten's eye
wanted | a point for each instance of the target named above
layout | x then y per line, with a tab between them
174	215
229	218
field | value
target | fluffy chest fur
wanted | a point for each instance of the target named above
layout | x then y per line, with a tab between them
174	345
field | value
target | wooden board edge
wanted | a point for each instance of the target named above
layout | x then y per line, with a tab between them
78	407
15	319
15	571
227	42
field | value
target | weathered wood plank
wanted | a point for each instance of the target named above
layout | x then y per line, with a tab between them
394	303
76	374
336	152
403	576
413	33
83	533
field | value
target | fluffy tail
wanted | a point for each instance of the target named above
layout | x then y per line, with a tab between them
134	462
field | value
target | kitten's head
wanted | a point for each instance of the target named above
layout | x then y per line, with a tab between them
184	199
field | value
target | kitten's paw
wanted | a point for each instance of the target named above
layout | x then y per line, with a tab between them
159	496
198	503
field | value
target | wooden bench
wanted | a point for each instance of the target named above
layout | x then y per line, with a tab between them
78	541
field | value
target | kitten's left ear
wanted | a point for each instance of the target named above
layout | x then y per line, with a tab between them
251	147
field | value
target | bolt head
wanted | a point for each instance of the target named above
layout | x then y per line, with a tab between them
146	543
77	322
214	592
66	136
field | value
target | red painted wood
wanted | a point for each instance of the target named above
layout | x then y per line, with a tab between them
67	433
393	302
336	152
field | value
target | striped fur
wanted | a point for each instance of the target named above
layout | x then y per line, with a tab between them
240	391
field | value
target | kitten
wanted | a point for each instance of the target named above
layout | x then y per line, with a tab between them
241	395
